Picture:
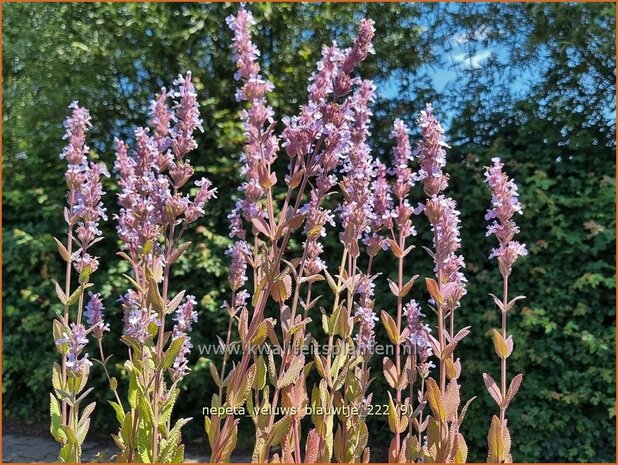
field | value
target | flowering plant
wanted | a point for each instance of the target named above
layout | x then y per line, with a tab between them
505	204
84	211
154	214
334	180
330	127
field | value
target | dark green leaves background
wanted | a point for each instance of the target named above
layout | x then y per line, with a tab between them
555	129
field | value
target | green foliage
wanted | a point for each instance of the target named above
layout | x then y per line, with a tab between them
556	137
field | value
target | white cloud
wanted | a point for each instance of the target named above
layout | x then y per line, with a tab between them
478	34
467	61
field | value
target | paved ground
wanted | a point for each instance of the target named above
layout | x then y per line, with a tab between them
39	449
25	448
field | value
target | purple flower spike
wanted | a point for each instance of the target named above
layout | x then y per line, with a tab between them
76	127
186	314
419	336
356	210
505	203
77	342
94	315
431	153
404	179
262	144
186	117
185	317
160	121
365	338
238	269
316	219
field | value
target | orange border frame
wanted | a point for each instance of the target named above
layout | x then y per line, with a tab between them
290	1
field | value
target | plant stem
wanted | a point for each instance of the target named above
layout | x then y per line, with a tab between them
441	337
505	291
398	346
227	343
344	257
160	337
67	293
297	455
420	414
109	379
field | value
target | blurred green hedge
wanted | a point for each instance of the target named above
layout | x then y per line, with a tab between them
543	101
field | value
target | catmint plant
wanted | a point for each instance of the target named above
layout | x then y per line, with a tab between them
344	381
445	443
505	203
72	329
399	374
314	141
333	183
155	211
349	389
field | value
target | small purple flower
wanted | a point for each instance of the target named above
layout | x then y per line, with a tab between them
94	315
236	225
136	318
365	338
186	314
238	268
418	337
240	299
84	262
180	368
195	210
77	341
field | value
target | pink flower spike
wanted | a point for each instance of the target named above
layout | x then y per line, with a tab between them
505	203
431	153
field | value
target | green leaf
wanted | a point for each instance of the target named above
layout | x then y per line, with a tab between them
391	328
171	353
64	253
436	403
168	406
293	371
118	410
278	431
260	374
57	377
154	296
60	293
133	389
56	419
